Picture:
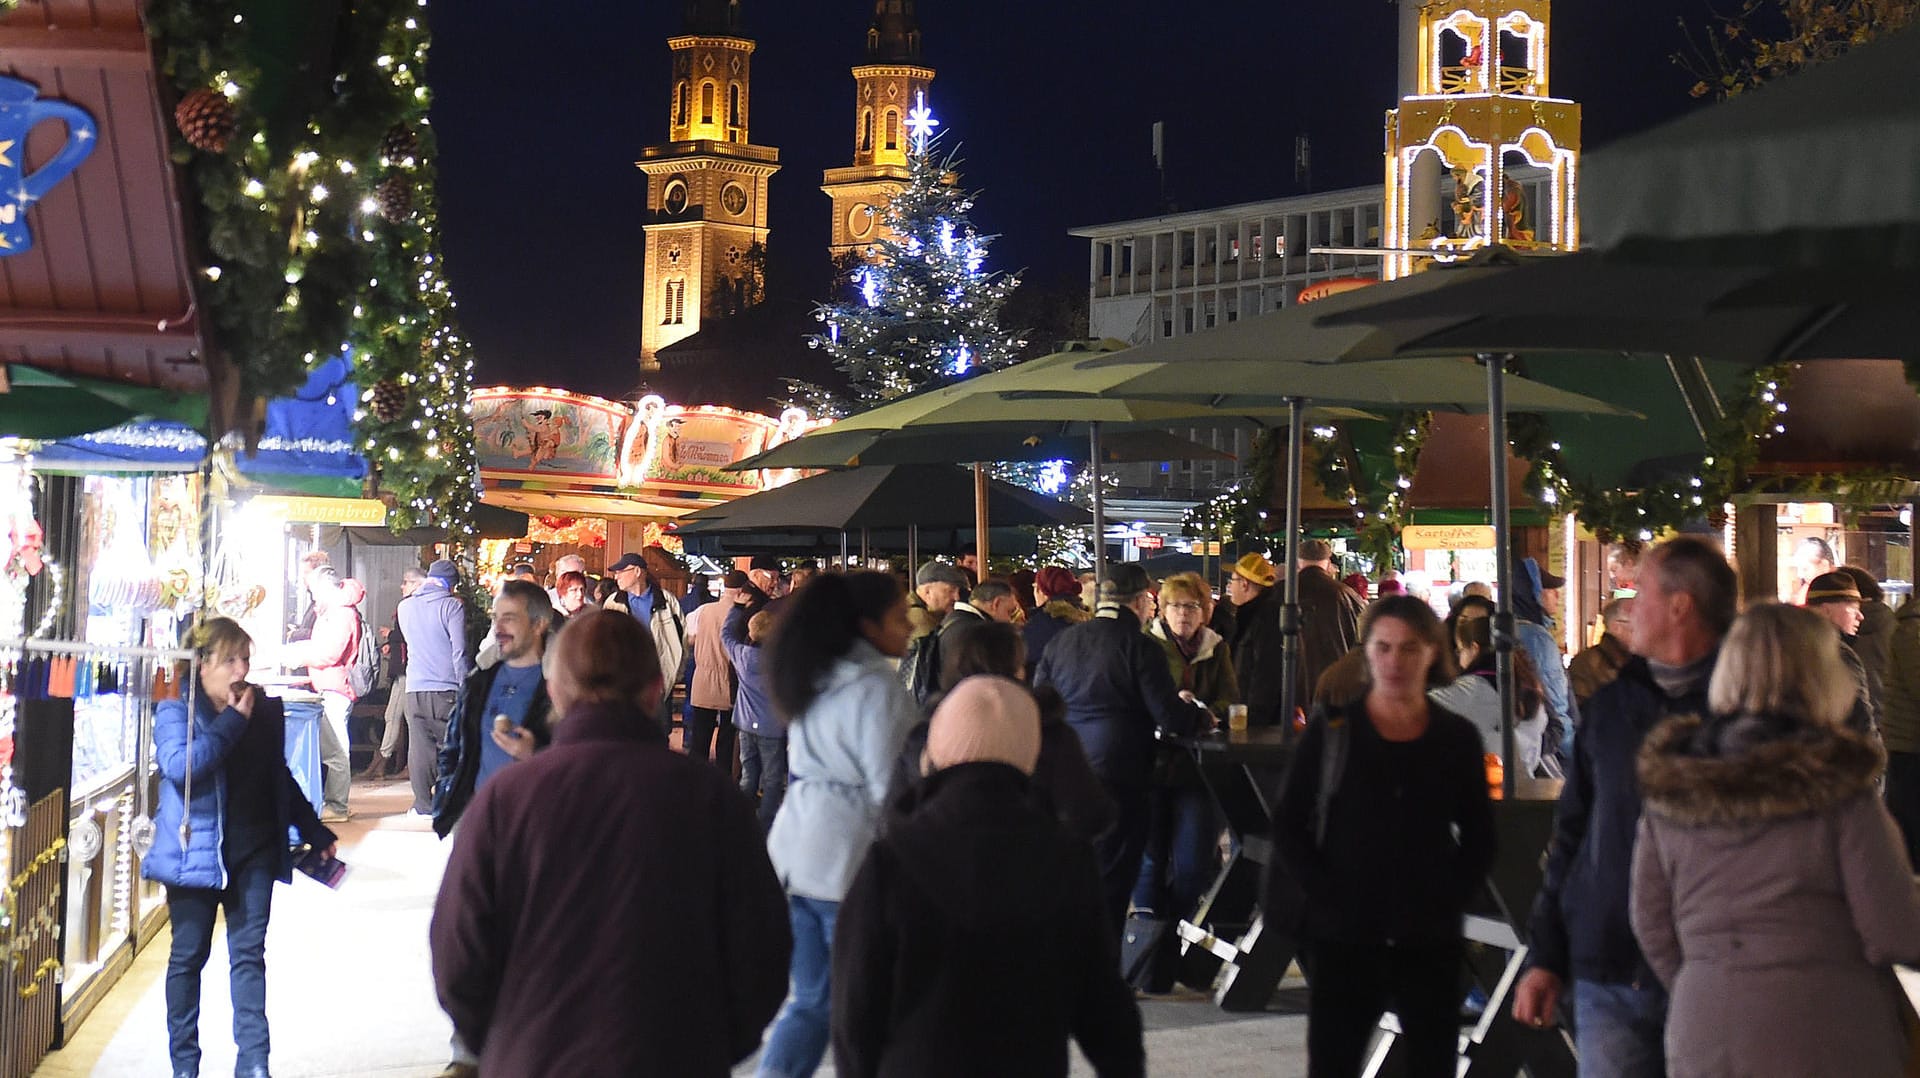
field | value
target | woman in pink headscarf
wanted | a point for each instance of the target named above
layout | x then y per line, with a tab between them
920	961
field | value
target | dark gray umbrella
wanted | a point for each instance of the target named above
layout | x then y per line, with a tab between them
1818	169
895	496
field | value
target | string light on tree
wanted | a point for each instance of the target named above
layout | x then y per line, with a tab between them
924	308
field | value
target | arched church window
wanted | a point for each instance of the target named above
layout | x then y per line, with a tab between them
866	131
680	101
706	102
893	130
733	105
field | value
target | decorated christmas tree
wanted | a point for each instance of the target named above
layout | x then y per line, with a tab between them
924	309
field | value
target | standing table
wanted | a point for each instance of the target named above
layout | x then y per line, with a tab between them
1242	772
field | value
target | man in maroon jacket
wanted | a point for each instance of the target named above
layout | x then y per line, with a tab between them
609	907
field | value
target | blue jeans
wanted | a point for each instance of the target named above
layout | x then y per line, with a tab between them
799	1038
763	773
1179	860
1619	1031
248	899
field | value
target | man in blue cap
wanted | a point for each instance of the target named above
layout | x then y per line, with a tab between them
660	614
434	621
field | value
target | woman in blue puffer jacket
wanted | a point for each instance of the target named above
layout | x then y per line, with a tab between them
221	839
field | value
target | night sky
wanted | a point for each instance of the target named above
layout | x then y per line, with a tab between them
541	110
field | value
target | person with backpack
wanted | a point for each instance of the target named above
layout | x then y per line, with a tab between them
1365	831
943	588
340	673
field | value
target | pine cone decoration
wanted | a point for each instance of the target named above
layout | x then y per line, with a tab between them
389	400
401	147
205	117
395	196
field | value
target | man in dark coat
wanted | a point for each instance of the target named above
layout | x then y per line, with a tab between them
944	589
1119	691
1329	614
1580	929
971	858
1255	635
598	889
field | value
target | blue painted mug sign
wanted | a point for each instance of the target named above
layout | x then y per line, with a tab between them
21	108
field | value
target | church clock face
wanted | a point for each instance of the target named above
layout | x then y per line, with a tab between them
734	198
675	197
860	220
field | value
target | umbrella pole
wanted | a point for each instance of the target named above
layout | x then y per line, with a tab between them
866	547
1503	563
980	518
1099	511
1290	611
843	550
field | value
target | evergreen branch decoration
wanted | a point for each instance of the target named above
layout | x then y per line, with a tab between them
317	230
1379	503
1634	517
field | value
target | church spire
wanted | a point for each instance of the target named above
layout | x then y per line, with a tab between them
890	80
713	18
894	35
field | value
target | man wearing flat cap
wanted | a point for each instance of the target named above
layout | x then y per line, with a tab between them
1835	597
943	588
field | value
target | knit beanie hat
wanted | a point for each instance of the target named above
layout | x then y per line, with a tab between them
1057	582
443	570
985	719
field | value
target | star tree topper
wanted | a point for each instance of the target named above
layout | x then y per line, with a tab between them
920	122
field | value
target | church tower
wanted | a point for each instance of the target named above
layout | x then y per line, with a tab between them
1481	114
706	185
885	87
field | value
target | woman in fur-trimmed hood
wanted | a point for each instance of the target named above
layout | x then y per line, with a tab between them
1771	892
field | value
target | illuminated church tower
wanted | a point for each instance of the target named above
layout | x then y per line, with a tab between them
885	87
1480	109
706	186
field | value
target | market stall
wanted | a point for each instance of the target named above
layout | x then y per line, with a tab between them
102	571
596	475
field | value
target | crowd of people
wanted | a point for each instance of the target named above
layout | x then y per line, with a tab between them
901	814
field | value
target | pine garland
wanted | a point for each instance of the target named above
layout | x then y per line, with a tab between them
1379	503
297	259
1633	517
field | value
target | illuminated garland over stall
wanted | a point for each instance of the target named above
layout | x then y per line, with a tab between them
321	231
1380	510
1634	517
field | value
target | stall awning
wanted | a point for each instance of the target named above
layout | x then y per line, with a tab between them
551	503
40	404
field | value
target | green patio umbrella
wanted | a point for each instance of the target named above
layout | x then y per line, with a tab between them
1220	375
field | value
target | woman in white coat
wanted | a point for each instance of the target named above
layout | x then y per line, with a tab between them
832	675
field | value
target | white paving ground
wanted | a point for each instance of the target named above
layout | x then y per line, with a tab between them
350	993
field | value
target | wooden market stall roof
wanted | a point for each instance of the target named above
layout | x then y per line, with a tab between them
105	290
